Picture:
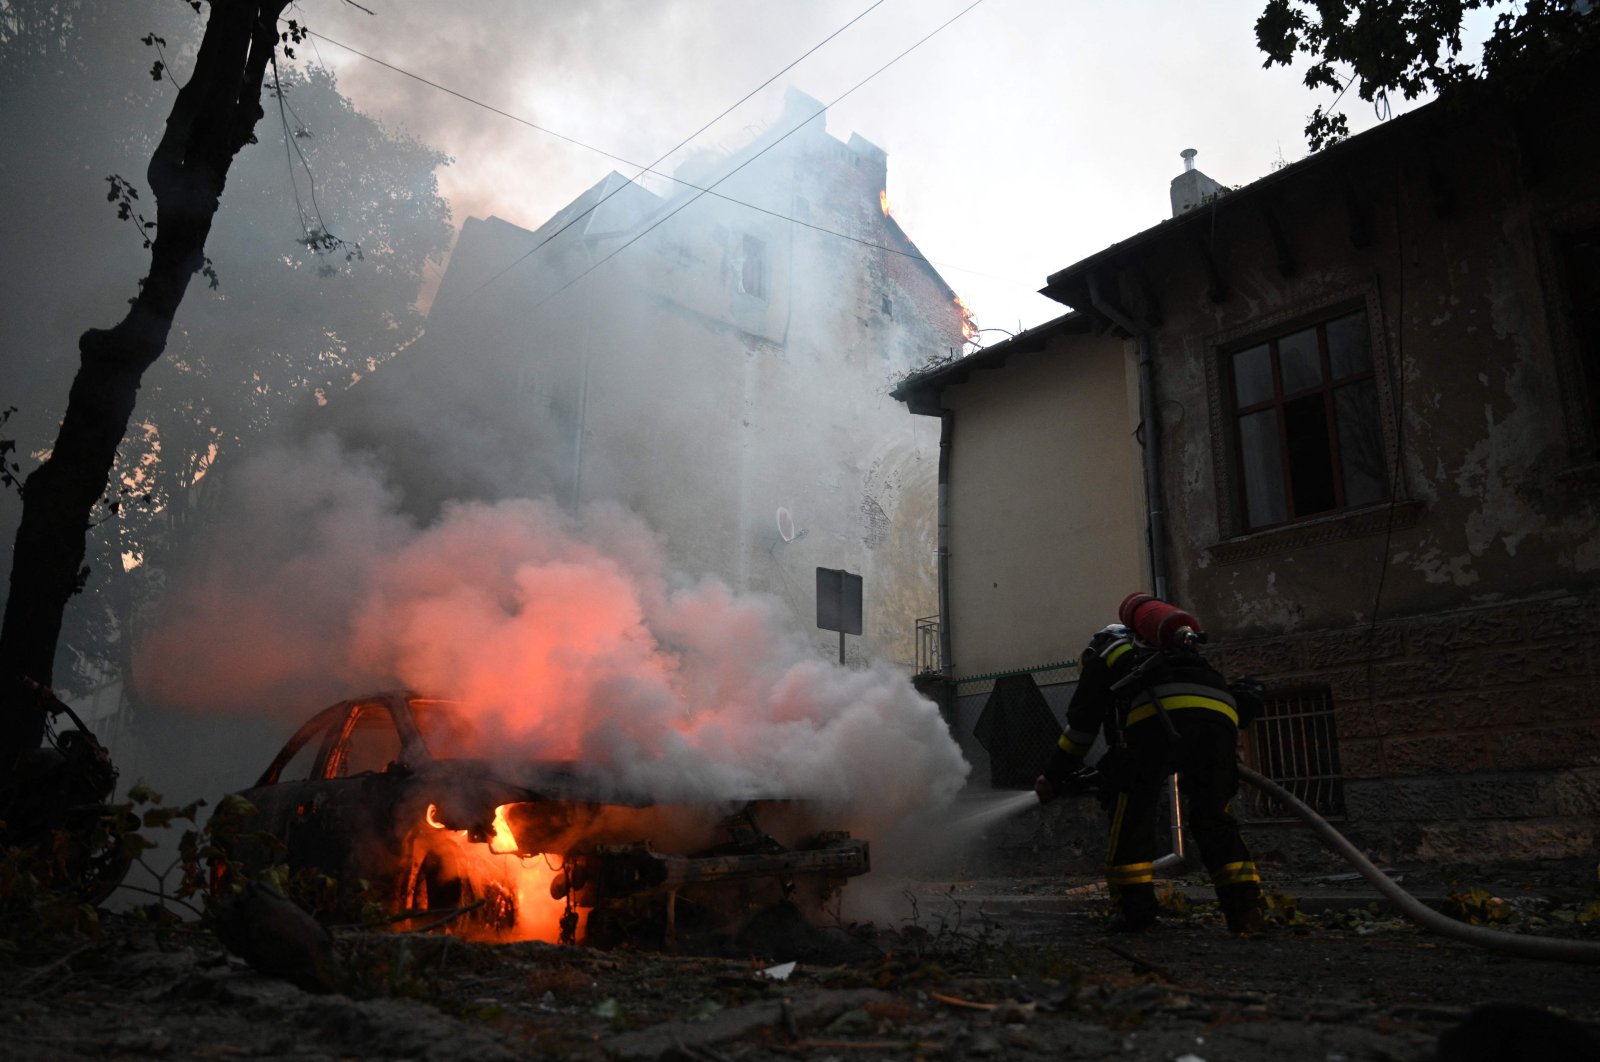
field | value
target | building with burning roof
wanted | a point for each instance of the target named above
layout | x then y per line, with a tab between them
716	357
1348	414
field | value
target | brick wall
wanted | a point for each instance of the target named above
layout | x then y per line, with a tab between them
1465	736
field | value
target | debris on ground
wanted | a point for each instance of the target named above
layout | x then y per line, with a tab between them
1007	969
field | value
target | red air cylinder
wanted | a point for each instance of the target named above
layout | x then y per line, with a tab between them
1155	621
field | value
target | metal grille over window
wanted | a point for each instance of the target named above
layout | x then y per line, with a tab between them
1294	744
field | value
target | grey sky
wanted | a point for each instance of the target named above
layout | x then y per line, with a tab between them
1027	135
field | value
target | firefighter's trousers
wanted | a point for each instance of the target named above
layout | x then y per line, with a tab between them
1203	756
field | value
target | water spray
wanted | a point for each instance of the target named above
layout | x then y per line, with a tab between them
1000	806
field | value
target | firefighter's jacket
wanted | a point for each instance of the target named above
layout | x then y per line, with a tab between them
1177	682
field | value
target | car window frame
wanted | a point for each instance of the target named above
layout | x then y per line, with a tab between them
329	758
322	723
335	723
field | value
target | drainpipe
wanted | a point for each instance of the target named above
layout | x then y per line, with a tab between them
947	664
1154	506
1155	511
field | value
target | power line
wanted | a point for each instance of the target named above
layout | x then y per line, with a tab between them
477	102
696	198
651	168
670	151
676	180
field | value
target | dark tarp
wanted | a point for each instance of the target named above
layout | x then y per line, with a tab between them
1018	731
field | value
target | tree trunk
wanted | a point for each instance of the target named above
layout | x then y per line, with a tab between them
213	117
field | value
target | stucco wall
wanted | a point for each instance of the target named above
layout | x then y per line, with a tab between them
1043	495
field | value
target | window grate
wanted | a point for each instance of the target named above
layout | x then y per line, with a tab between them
1294	743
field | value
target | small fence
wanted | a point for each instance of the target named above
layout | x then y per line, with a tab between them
1018	725
1043	674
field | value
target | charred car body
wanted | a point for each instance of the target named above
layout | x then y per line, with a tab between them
372	795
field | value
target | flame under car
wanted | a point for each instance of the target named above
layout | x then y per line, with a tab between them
375	797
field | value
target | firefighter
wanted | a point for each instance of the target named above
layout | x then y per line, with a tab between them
1162	709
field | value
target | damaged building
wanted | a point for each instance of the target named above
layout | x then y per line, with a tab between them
1348	414
716	356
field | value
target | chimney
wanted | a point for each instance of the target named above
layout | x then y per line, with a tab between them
1191	188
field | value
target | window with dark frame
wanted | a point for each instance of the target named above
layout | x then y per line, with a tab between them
753	268
1580	268
1294	743
1307	435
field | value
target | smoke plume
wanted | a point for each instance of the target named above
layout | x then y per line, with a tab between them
566	633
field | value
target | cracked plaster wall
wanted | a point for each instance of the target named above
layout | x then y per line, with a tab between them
1460	313
1479	680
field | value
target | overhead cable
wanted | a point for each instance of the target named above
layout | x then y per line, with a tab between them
914	256
794	129
672	150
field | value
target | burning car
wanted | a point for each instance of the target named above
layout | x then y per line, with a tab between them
382	795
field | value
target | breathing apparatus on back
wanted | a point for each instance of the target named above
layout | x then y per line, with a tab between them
1167	628
1162	629
1159	624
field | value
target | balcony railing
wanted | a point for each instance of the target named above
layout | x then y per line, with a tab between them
928	658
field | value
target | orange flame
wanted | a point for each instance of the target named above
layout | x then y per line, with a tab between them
515	886
503	840
969	324
883	201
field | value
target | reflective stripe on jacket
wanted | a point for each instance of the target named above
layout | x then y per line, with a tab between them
1178	695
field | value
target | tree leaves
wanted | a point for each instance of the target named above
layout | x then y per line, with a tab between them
10	470
295	34
123	194
1412	48
158	69
236	361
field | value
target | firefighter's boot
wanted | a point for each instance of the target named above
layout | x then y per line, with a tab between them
1136	907
1241	906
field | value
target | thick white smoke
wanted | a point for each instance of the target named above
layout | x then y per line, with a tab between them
566	633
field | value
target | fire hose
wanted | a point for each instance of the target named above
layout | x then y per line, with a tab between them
1415	909
1164	625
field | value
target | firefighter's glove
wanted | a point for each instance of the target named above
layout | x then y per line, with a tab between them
1044	789
1074	782
1083	780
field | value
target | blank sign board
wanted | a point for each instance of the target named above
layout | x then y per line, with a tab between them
838	601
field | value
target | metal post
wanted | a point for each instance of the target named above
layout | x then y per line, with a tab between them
1175	857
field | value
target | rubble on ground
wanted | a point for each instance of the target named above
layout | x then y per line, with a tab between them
1012	969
